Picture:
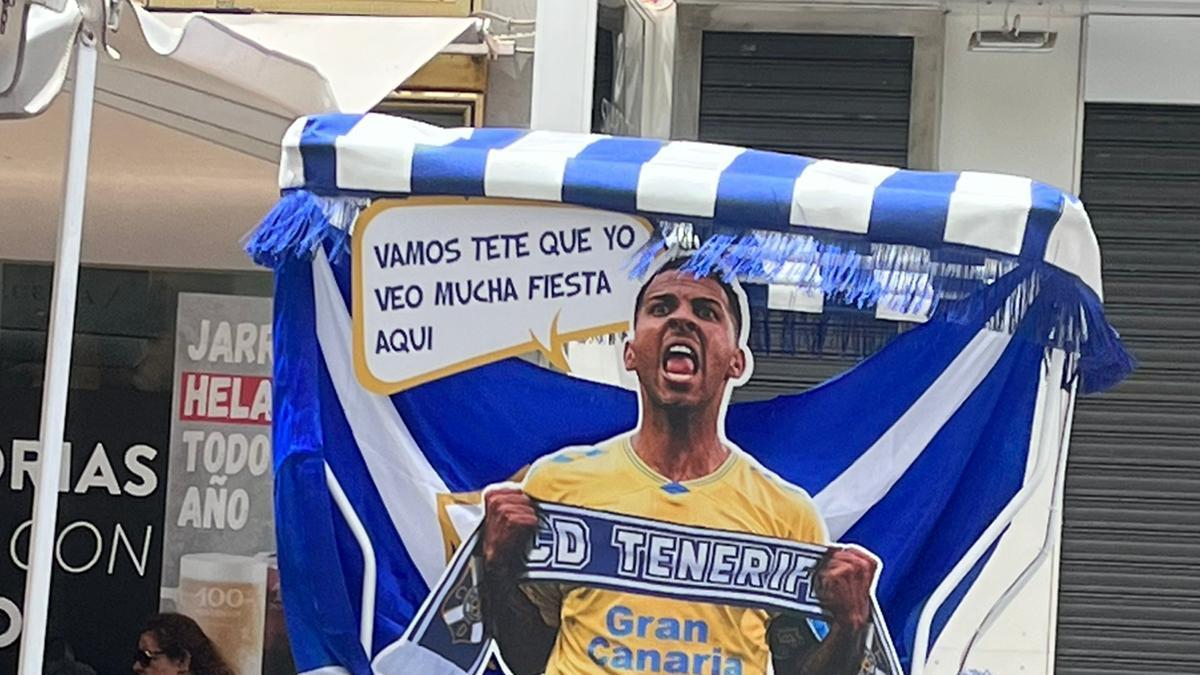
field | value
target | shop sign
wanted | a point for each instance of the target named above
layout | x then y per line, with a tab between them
218	561
108	540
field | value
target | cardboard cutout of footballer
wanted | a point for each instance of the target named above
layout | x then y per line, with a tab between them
664	550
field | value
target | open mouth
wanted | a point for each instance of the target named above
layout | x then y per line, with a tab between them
681	360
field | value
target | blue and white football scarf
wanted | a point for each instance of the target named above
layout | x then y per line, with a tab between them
579	546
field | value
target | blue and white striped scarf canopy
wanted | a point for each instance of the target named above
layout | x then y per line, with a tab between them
731	187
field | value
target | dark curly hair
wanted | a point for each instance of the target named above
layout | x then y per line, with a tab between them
179	635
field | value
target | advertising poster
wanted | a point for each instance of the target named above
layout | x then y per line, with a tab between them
218	556
560	539
109	535
664	548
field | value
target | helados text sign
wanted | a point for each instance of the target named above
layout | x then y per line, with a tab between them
441	286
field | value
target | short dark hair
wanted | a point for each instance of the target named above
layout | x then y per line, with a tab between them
735	303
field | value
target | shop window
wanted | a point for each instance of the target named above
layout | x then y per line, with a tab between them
124	324
108	553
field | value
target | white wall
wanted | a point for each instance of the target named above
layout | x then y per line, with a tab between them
1143	59
658	25
1011	112
564	66
510	79
1014	113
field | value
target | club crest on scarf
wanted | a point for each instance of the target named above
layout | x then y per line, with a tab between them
462	610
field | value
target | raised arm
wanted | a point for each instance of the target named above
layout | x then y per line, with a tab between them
844	587
524	638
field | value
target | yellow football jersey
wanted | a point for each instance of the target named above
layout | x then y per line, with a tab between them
602	631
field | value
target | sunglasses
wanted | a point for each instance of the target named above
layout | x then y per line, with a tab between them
143	657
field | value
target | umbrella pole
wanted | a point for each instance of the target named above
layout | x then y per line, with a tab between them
58	361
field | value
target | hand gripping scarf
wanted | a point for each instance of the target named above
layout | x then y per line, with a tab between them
579	546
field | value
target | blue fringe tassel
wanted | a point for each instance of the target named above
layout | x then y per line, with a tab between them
671	237
644	257
295	228
1033	301
1077	324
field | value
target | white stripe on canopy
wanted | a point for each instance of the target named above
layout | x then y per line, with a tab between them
533	166
837	195
989	210
849	496
366	160
682	178
388	449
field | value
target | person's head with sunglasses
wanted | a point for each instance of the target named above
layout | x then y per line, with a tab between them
172	644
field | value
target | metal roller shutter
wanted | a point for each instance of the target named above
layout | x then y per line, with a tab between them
837	96
1129	596
841	97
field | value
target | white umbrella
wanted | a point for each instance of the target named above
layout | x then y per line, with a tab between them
236	80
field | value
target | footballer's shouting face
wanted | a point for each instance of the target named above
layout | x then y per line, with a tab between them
685	344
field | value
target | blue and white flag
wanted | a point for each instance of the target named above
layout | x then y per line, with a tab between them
912	454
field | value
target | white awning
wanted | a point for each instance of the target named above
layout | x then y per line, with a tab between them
234	79
166	187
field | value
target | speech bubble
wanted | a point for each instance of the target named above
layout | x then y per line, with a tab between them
442	285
